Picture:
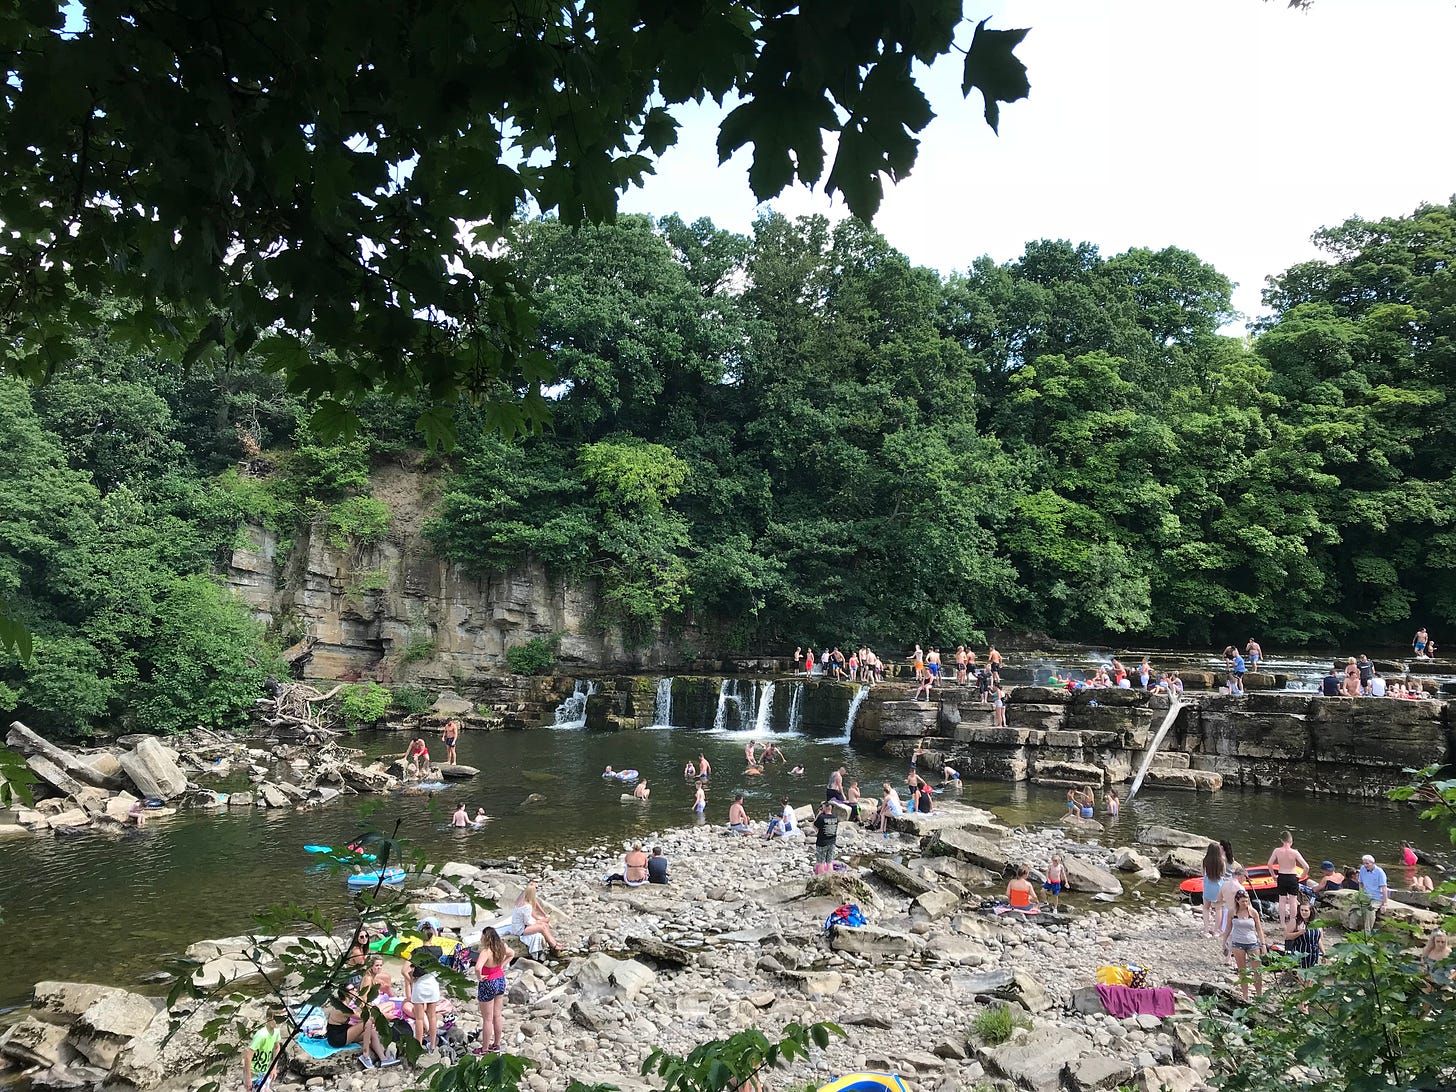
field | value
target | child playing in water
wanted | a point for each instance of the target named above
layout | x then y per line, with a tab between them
1056	877
1113	803
690	771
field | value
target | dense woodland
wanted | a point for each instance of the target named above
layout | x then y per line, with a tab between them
793	436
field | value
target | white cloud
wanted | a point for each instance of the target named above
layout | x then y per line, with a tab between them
1233	128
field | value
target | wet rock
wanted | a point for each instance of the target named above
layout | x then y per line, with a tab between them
73	817
151	767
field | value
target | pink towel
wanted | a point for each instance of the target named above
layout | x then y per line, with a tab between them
1124	1001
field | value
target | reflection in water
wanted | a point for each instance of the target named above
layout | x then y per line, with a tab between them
148	894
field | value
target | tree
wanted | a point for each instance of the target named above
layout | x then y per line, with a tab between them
319	176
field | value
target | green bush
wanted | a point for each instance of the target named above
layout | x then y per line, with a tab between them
374	580
357	519
364	704
418	647
535	657
995	1024
413	700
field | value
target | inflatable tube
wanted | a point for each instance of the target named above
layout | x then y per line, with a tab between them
318	849
865	1082
369	879
387	945
628	775
445	944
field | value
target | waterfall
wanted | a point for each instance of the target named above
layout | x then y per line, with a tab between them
720	718
859	697
796	707
662	707
571	713
761	724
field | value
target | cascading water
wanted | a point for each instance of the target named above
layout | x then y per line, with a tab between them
796	707
761	724
662	706
859	697
571	713
720	718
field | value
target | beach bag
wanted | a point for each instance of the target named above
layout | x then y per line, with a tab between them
1139	978
849	914
462	959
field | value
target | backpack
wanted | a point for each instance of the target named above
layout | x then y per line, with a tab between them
849	914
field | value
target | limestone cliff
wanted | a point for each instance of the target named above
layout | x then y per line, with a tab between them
396	612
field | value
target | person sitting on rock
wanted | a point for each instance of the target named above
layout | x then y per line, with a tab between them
642	792
889	805
738	817
1019	892
657	866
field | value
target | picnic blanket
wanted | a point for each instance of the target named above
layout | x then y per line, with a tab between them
319	1048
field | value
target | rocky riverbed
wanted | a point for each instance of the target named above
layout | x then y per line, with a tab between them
737	940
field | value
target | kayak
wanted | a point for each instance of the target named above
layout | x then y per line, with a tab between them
865	1082
370	879
1262	884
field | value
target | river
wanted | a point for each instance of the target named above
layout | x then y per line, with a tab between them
113	909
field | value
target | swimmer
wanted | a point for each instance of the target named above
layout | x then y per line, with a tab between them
608	772
461	818
748	751
690	771
797	771
753	771
704	769
949	774
700	801
641	792
480	818
1113	803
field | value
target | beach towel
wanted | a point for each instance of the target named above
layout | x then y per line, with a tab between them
319	1048
1124	1001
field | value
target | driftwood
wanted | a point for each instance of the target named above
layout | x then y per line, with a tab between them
28	742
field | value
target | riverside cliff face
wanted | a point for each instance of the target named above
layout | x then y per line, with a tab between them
397	612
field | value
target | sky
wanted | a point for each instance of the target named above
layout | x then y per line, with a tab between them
1231	128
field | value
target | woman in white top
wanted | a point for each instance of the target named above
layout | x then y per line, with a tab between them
889	805
1244	934
529	919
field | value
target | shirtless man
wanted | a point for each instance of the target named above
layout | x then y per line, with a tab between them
1255	652
449	737
993	663
932	663
641	792
961	664
700	800
704	769
748	751
1420	643
1287	862
738	816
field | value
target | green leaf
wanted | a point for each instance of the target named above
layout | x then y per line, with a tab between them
992	68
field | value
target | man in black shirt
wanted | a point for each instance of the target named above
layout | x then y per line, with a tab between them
657	866
1330	687
826	823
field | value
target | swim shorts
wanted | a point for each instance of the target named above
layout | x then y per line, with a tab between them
1288	883
490	988
1053	886
824	854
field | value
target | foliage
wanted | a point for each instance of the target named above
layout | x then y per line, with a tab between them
419	647
734	1061
16	779
1370	1016
412	700
536	656
363	520
313	216
364	704
994	1024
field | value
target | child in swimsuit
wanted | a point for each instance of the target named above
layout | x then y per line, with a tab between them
1056	877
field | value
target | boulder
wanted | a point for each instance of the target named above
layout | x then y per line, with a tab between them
1035	1061
1182	862
152	769
27	742
815	984
1163	777
933	904
599	977
36	1042
873	942
450	704
1089	877
68	1077
105	1028
1026	992
1168	837
455	771
1168	1078
1098	1071
897	875
1126	859
72	817
842	887
66	1001
959	950
661	952
972	848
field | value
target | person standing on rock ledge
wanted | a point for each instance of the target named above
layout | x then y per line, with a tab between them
450	736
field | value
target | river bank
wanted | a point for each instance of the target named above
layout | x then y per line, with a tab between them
736	940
